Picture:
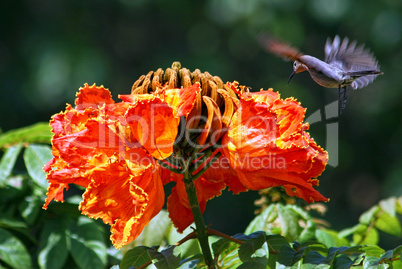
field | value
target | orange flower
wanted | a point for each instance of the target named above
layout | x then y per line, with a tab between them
217	135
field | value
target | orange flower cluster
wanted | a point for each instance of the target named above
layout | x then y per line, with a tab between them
123	153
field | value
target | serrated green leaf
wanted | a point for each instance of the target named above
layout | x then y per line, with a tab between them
36	133
369	215
7	162
53	251
169	258
13	252
389	224
87	245
135	257
35	157
249	248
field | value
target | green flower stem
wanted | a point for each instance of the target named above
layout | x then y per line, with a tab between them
201	229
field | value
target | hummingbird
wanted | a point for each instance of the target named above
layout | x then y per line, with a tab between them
345	65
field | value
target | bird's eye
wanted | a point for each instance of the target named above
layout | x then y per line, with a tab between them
294	63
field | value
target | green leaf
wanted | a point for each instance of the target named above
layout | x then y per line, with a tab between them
371	250
192	262
191	247
330	238
259	222
389	206
389	224
368	216
370	262
35	157
343	262
286	256
7	162
249	248
251	265
13	224
30	208
365	236
276	242
36	133
154	233
308	225
13	252
53	251
135	257
313	257
289	222
87	244
168	258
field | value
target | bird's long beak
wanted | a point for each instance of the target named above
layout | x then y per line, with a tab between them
291	75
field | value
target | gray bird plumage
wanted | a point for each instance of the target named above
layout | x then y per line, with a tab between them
344	65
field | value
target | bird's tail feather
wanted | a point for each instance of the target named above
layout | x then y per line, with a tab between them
364	73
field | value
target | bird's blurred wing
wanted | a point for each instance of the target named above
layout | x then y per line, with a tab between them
279	48
348	57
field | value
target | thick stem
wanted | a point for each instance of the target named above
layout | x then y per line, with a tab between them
201	229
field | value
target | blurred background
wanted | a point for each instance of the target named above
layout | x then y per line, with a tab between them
48	49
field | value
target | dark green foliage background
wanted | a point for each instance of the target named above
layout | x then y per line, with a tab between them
48	49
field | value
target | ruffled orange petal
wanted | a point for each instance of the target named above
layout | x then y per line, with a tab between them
92	96
154	125
267	145
124	198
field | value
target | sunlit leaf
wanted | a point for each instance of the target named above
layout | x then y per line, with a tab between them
135	257
330	238
259	222
289	222
36	133
7	162
389	206
168	258
369	215
365	235
370	262
13	252
35	157
192	262
248	248
389	224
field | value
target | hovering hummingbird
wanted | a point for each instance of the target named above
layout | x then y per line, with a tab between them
345	64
